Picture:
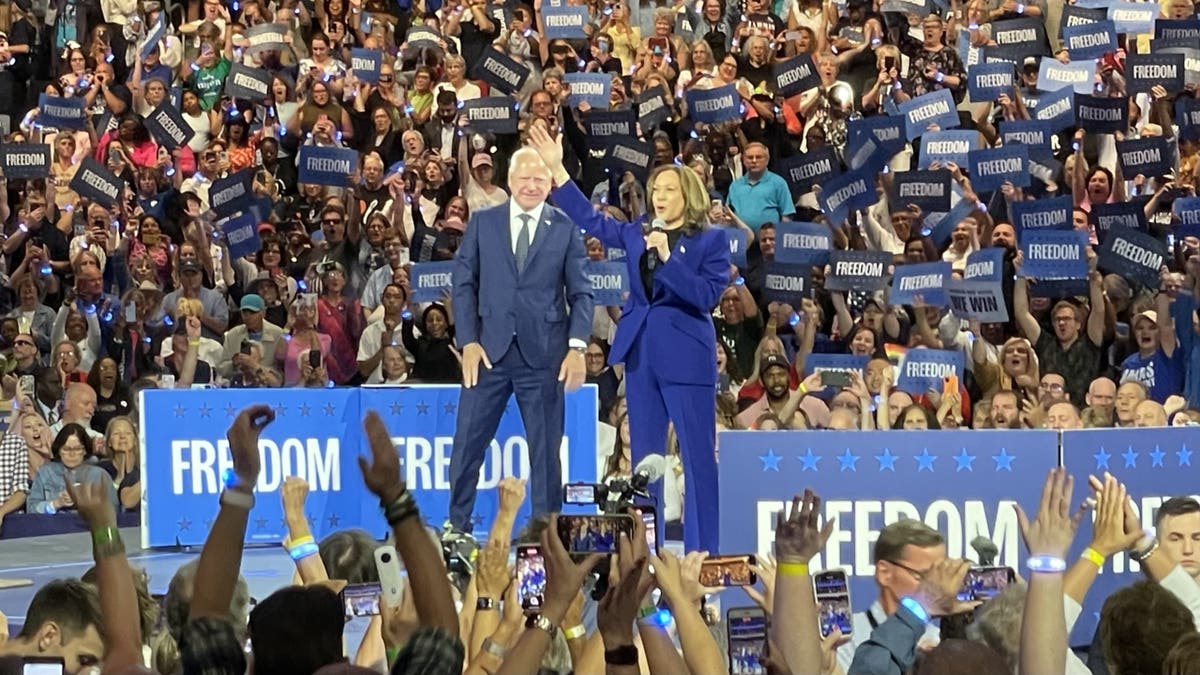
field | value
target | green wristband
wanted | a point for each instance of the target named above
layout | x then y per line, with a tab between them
105	535
392	654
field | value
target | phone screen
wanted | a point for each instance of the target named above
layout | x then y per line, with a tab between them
728	570
832	591
889	62
983	583
579	493
593	534
835	378
37	665
747	640
650	520
531	578
361	599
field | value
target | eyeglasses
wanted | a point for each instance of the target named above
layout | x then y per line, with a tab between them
23	343
385	78
917	574
1064	318
72	449
331	221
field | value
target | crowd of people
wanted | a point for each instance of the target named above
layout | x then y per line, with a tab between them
107	297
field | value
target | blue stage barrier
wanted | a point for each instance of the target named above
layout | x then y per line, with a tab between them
1155	464
317	435
961	483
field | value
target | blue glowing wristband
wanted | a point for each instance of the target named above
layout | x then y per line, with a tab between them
1020	8
1046	564
303	551
939	77
915	607
740	281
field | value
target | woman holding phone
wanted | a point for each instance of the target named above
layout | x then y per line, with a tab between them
666	339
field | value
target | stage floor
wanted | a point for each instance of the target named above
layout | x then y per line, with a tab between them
42	559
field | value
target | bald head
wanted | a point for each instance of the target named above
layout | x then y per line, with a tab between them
1063	415
1102	393
1150	414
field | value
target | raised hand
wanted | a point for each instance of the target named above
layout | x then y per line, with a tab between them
294	493
938	592
1108	531
1053	529
492	574
798	536
512	494
91	500
381	473
564	577
243	441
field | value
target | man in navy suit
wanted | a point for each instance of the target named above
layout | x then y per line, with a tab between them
518	270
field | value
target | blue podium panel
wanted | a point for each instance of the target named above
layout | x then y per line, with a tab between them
1155	465
317	435
962	483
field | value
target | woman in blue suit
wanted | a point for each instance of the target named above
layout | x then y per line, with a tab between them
665	336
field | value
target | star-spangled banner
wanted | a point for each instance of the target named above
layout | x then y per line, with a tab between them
317	435
962	483
1154	466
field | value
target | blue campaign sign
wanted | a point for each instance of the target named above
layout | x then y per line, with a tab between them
1177	29
944	227
1053	74
795	75
317	435
1042	214
1054	254
851	190
593	88
55	112
926	281
1133	254
947	146
992	167
1133	18
610	282
977	300
858	270
987	81
802	243
241	235
1102	115
366	64
936	107
738	241
1090	40
1187	116
1105	217
565	22
850	363
961	483
227	194
715	105
431	281
986	264
803	170
1149	156
327	165
1154	464
157	31
1187	210
886	130
925	369
1144	71
1056	108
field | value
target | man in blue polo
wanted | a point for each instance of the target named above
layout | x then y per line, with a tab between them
760	196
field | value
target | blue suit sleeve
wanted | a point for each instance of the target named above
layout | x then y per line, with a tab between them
892	648
610	231
700	291
465	283
579	288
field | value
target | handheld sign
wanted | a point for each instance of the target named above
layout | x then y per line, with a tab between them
590	87
652	110
266	37
713	106
1084	41
802	243
96	183
796	75
169	127
1144	71
1027	35
924	280
366	64
1042	214
241	235
1056	108
226	195
979	300
786	283
1133	255
1054	254
629	153
866	271
500	71
936	107
602	126
1105	115
25	160
1106	217
609	282
925	369
738	241
838	363
1053	75
326	165
851	190
992	167
61	113
929	190
948	146
157	31
248	83
987	81
493	114
565	22
1132	18
431	281
1147	156
1033	134
804	170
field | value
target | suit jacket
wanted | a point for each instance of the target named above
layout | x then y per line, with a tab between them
681	340
234	337
493	304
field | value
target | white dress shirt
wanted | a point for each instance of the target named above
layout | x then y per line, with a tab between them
515	222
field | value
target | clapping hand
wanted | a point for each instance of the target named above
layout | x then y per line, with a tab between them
1109	535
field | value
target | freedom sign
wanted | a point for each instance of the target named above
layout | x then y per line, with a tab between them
1089	41
1148	156
1056	108
858	271
248	83
265	37
936	107
592	88
169	127
803	170
925	369
226	195
432	281
838	363
1106	217
1053	75
494	114
56	112
802	243
25	160
795	75
788	283
241	235
948	146
501	72
1102	115
961	483
629	153
564	22
992	167
94	182
713	106
610	282
1133	254
987	81
326	165
850	190
1054	254
926	281
1042	214
1034	134
1144	71
317	435
652	109
366	64
929	190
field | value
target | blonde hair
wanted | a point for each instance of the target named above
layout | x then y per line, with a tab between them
189	307
695	196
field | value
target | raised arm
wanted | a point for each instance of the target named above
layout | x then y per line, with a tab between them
1048	538
1166	323
794	627
1029	326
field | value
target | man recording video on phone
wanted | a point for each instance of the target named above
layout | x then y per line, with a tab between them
524	341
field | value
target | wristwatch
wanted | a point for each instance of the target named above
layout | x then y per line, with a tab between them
485	603
540	621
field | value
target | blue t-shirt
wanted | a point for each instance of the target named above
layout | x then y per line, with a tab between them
1161	376
766	201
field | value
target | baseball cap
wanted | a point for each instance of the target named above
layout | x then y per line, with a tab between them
772	360
252	303
454	223
481	159
1148	314
190	266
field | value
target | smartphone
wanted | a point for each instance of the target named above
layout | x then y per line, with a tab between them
579	493
983	583
314	358
391	577
950	385
747	627
361	599
593	534
835	378
114	156
717	203
531	578
650	520
80	229
889	62
832	590
728	570
246	347
659	42
28	384
166	381
724	383
43	665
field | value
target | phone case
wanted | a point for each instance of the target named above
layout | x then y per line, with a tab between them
391	581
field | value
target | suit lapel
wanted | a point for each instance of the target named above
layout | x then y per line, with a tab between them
540	236
506	237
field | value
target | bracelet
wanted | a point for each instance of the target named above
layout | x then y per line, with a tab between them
303	551
915	607
803	389
104	535
289	544
648	610
237	498
625	655
394	652
400	510
492	648
788	569
575	632
107	542
1046	564
1142	554
1093	555
194	342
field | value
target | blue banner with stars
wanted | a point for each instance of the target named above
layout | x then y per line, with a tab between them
961	483
317	435
1154	467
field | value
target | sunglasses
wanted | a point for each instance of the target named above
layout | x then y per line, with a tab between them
331	221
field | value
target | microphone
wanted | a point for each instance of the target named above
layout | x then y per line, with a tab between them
652	262
986	549
647	471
